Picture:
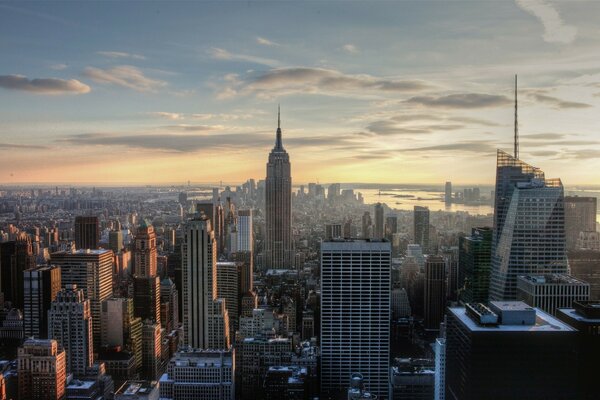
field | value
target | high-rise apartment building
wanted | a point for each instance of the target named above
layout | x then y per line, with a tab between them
41	370
580	216
41	284
551	292
278	208
204	317
509	351
421	227
91	271
355	314
378	231
435	291
87	232
529	230
475	265
70	324
199	374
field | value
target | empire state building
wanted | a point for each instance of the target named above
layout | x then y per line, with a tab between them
278	207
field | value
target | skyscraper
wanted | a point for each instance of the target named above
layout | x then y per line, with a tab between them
378	231
15	257
87	232
355	314
203	316
448	193
121	329
421	227
278	207
144	251
245	231
41	370
580	216
435	291
41	284
91	271
552	291
146	284
70	324
474	265
529	233
228	288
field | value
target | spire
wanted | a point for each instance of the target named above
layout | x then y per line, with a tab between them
278	144
516	123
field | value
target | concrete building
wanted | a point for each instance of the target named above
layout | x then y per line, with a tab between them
199	374
551	292
440	369
228	274
580	216
421	228
585	265
138	390
412	379
42	370
41	284
355	314
121	329
87	232
435	291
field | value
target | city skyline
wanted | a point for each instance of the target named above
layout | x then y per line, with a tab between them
355	108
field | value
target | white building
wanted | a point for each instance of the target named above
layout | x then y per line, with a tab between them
551	292
440	369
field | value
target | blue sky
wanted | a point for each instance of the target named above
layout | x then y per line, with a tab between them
395	91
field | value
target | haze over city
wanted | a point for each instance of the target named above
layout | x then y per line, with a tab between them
385	92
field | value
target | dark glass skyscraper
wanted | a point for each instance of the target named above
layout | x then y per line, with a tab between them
474	265
87	232
421	227
278	204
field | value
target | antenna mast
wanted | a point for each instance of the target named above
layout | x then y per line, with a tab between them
516	123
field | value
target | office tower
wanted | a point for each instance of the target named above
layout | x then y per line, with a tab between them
70	324
245	231
151	350
208	209
400	303
435	291
87	232
121	329
228	289
15	257
262	323
288	310
551	292
41	284
378	230
508	351
42	370
286	383
144	251
199	374
2	387
253	357
367	230
421	227
448	193
333	231
91	271
440	369
412	379
580	216
308	325
115	241
278	208
249	303
475	265
169	305
584	265
146	297
585	317
355	313
348	230
204	316
529	234
391	226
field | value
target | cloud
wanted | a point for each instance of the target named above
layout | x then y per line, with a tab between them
59	67
43	85
350	48
469	146
555	30
387	127
125	76
584	154
120	54
461	100
167	115
544	153
266	42
556	102
285	81
222	54
545	136
437	117
14	146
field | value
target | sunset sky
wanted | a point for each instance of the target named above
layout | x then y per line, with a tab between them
386	92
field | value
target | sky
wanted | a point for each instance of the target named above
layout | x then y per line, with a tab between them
379	91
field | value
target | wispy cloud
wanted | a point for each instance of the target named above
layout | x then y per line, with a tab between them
266	42
58	67
388	127
52	86
15	146
556	102
121	54
222	54
126	76
166	115
468	146
350	48
285	81
555	30
461	100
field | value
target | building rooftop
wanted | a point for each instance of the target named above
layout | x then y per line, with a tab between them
583	311
543	321
132	388
552	279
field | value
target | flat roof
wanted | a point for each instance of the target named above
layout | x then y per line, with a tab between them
543	322
572	313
